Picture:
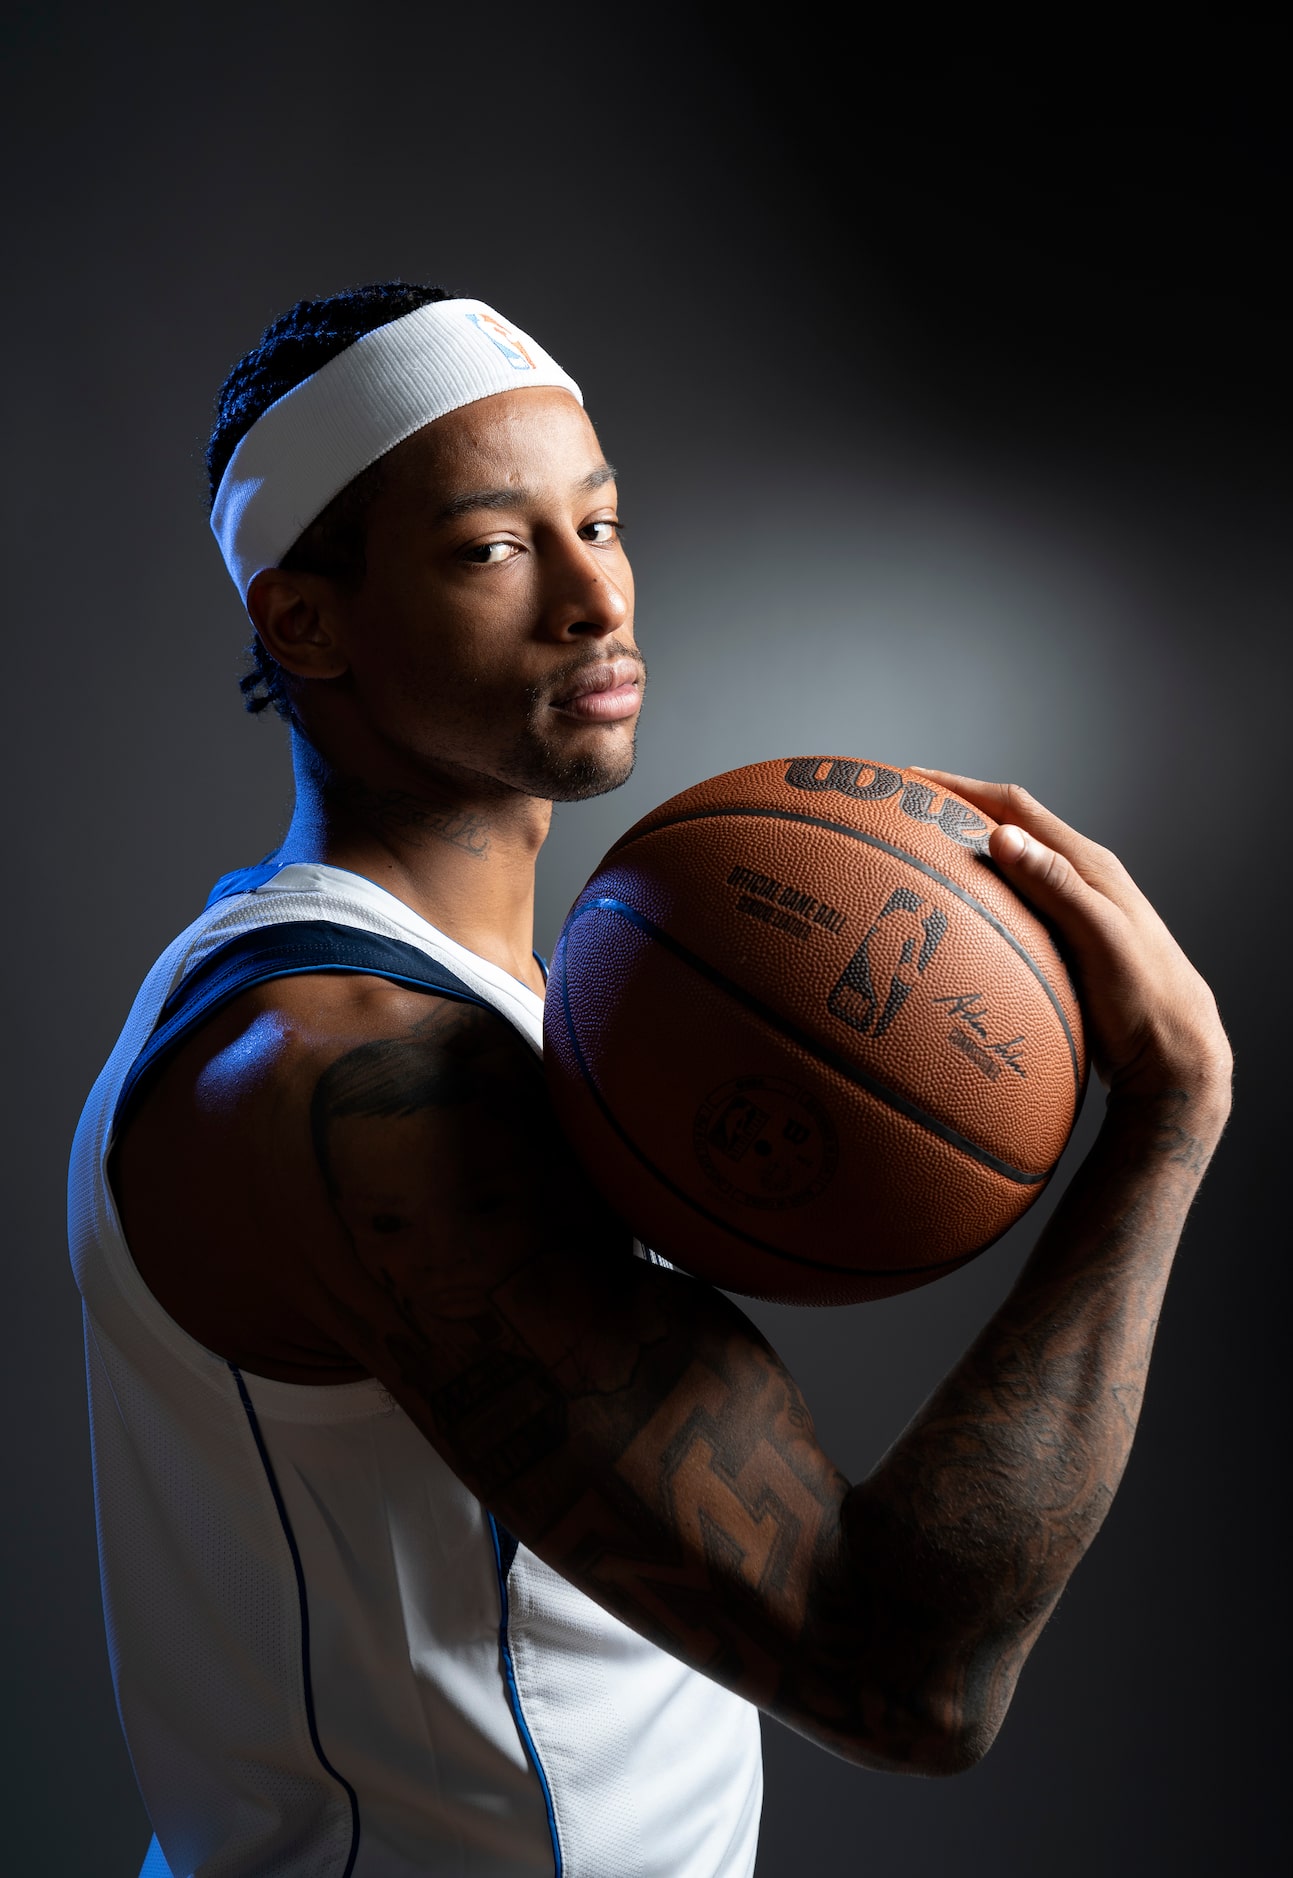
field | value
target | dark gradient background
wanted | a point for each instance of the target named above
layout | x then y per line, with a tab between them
942	373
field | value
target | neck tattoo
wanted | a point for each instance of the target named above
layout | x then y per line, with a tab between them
398	811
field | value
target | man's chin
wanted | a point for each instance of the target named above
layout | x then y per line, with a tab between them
574	776
583	778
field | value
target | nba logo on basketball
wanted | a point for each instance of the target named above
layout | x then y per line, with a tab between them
819	1119
508	343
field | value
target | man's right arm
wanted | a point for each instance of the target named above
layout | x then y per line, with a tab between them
632	1427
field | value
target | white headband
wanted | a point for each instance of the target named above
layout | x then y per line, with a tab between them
304	449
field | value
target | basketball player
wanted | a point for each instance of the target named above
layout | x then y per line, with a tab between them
441	1529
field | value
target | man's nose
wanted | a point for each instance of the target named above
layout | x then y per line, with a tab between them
583	599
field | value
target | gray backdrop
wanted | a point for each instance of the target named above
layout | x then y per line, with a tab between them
940	374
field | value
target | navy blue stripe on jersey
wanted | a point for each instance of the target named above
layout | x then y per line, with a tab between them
306	1684
285	951
500	1535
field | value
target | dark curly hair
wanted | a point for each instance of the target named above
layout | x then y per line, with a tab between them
290	350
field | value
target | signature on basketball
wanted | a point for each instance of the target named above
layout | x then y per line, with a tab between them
970	1035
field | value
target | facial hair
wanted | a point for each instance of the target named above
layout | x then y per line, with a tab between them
537	764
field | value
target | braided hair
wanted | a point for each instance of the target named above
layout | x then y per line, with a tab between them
289	351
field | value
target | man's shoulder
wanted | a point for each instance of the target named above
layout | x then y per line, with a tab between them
227	1165
322	1026
279	1038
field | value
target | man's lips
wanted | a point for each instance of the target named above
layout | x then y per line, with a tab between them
604	692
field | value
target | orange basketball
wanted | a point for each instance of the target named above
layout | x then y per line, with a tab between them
805	1038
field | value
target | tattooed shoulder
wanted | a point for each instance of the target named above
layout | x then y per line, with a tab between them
452	1056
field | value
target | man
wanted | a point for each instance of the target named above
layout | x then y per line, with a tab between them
441	1529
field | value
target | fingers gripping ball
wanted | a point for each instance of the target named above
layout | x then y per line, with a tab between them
804	1037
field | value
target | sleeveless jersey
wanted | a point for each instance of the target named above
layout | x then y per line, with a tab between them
330	1661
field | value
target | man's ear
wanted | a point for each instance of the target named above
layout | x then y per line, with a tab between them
296	621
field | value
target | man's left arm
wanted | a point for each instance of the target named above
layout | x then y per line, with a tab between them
993	1493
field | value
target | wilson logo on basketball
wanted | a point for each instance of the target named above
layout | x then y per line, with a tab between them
843	777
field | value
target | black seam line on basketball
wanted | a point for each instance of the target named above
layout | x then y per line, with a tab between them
822	1051
680	1193
899	854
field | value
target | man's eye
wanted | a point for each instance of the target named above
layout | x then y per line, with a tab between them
490	553
602	534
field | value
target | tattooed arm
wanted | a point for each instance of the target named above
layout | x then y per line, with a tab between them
371	1182
1005	1476
632	1427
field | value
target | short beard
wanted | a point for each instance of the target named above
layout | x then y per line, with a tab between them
538	769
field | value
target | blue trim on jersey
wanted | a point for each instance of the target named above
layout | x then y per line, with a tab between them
508	1546
154	1865
243	880
499	1535
286	950
299	1569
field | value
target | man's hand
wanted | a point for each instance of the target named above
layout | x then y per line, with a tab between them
1152	1022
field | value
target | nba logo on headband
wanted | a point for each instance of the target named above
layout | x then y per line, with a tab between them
508	343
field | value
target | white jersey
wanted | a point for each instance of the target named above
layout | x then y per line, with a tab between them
329	1660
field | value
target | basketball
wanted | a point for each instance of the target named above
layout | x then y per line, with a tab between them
805	1039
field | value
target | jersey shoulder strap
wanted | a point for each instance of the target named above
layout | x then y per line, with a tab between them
285	951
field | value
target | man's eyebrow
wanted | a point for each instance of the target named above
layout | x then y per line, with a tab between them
517	498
